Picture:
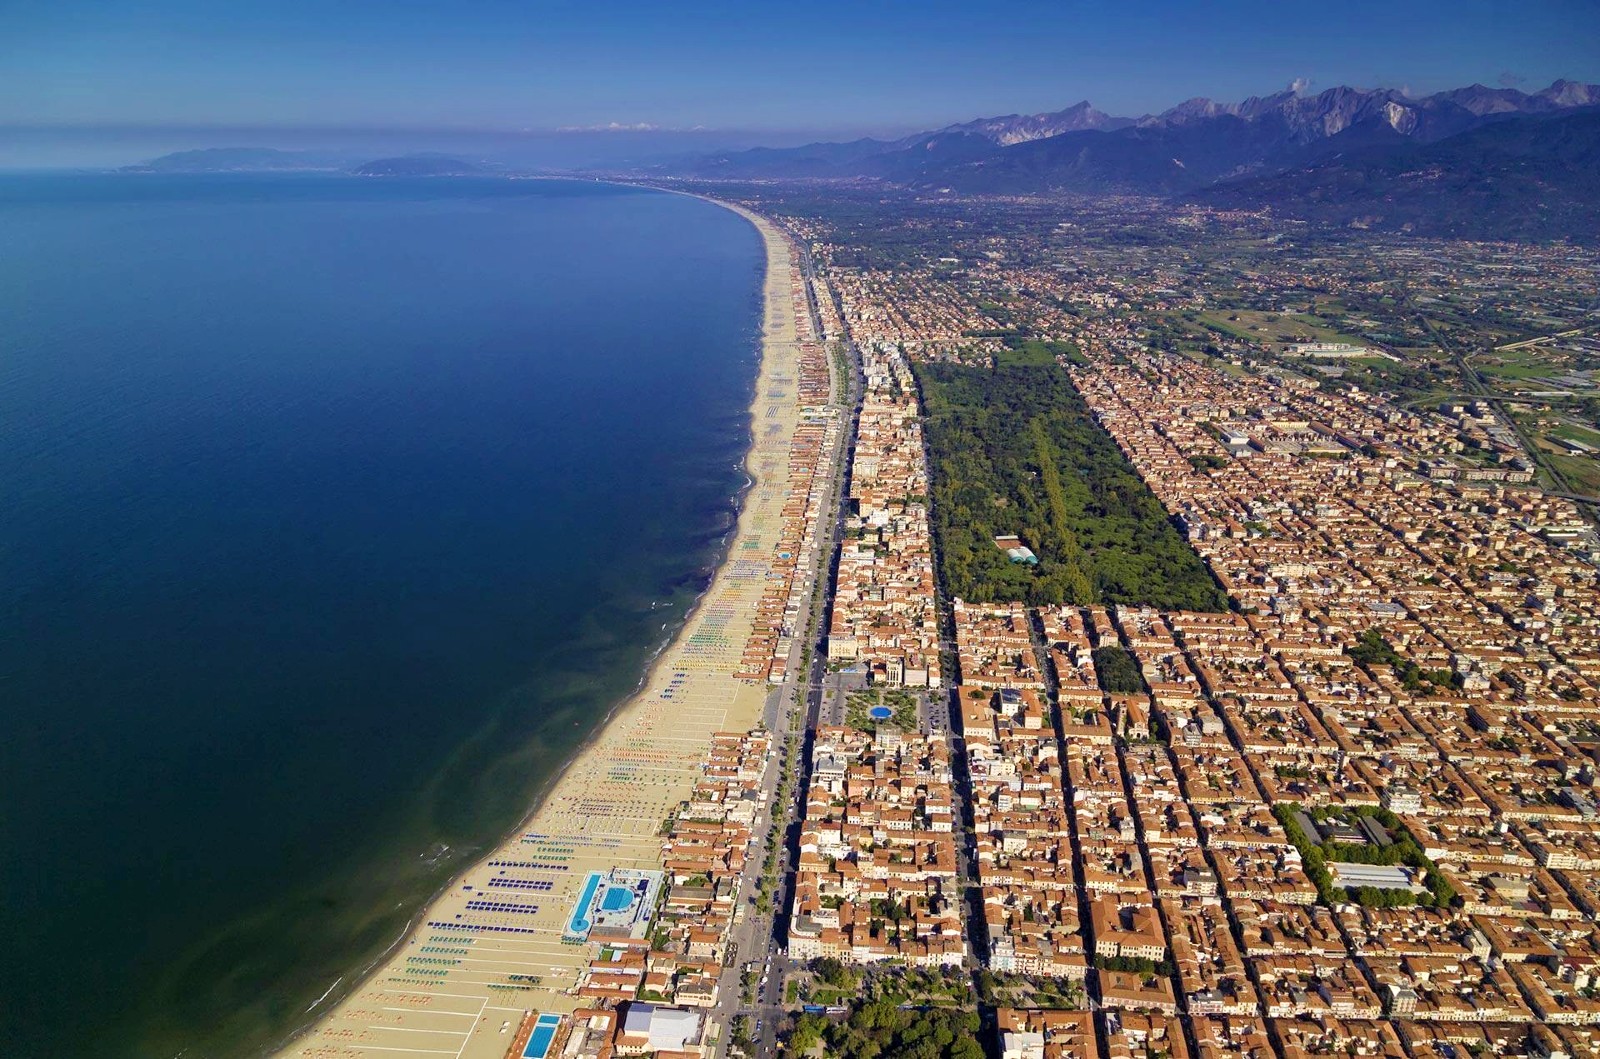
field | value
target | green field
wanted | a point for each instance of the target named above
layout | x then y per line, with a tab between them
1276	329
1037	352
1583	472
1517	364
1575	432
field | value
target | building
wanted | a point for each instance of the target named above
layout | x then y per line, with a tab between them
648	1028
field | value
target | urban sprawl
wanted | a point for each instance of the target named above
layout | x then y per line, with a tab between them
1181	638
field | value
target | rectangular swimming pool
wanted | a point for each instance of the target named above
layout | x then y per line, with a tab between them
544	1032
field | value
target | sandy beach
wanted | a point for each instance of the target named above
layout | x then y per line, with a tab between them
480	958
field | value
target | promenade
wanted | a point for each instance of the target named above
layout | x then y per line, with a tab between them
492	948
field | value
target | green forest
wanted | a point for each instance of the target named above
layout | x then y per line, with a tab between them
1117	670
882	1030
1015	450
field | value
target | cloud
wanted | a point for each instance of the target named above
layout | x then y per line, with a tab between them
634	126
613	126
1299	85
1511	80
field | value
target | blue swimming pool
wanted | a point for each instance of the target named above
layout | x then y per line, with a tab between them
880	713
544	1031
578	923
616	899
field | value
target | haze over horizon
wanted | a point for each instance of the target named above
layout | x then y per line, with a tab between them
178	73
903	530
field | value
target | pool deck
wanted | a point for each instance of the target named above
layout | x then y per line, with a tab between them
462	988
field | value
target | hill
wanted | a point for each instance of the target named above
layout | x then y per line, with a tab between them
241	160
1532	178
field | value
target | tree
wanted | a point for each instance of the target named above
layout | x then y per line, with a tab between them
807	1033
834	973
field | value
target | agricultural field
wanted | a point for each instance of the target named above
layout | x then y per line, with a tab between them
1581	469
1582	472
1568	365
1547	429
1277	330
1528	363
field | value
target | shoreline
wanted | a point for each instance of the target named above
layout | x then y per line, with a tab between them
359	976
328	1033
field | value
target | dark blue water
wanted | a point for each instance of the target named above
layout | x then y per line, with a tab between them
333	514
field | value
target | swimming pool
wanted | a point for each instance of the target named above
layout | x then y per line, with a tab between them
578	923
880	713
544	1032
616	899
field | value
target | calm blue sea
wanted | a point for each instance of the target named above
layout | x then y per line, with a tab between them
333	514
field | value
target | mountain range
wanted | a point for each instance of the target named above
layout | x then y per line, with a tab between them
1532	178
1469	162
1521	161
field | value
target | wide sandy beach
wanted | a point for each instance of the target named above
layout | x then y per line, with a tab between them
465	976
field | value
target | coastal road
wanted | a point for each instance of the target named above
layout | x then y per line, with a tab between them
756	945
770	1009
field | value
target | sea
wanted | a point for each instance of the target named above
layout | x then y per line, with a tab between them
335	513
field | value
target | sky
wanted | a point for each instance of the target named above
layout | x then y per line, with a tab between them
819	66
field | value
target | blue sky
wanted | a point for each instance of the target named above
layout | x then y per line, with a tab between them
850	67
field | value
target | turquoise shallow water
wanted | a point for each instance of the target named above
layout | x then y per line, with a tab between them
336	513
